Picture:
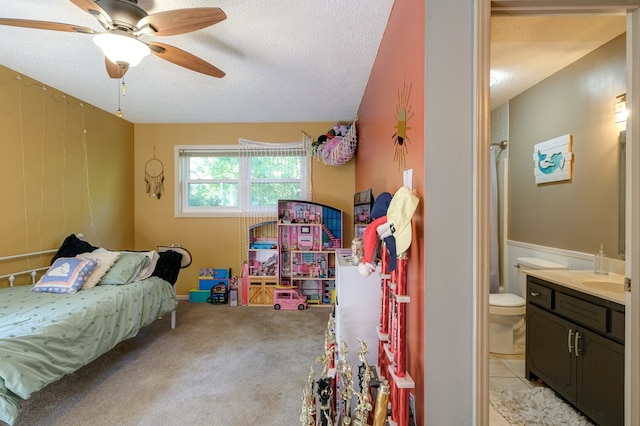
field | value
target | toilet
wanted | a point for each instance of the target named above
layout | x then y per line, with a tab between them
507	310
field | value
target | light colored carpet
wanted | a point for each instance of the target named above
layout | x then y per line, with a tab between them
222	366
537	406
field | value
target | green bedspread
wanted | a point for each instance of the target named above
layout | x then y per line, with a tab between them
44	336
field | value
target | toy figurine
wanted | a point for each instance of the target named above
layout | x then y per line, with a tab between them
364	405
308	414
346	378
325	394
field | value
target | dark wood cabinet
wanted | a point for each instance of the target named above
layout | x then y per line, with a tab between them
600	378
547	356
575	347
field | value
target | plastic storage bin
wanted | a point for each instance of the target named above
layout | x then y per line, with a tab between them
198	296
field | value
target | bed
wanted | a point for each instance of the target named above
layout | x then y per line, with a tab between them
46	334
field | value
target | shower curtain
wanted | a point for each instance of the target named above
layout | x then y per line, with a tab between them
494	278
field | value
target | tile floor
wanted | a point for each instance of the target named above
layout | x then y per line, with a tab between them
506	372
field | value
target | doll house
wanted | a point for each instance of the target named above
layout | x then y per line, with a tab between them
308	234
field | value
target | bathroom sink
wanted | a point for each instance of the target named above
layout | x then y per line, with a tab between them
610	286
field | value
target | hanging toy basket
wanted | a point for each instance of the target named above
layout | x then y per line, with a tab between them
339	149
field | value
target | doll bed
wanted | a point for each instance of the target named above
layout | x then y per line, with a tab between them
44	336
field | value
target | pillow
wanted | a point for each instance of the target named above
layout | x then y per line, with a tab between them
105	260
125	269
168	266
71	247
66	275
146	271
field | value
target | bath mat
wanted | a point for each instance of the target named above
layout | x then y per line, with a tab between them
537	406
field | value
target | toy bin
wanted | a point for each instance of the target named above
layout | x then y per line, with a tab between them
214	273
198	296
209	283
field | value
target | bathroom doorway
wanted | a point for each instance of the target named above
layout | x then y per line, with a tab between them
632	414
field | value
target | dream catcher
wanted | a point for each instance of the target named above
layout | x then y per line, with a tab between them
154	177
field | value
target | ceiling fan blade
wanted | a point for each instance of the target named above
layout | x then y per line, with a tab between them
44	25
180	21
115	70
184	59
89	6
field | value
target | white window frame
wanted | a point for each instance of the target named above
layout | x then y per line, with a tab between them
181	181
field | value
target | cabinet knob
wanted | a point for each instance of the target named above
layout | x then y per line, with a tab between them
534	293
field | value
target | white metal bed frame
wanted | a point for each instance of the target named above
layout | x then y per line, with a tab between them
34	272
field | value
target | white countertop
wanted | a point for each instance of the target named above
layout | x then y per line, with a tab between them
579	280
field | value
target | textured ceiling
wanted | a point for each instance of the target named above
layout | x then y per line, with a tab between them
284	61
527	49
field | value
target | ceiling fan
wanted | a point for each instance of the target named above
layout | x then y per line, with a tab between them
125	22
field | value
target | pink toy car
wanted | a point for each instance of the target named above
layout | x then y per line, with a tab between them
288	298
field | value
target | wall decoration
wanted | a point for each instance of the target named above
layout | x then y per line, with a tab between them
553	159
403	115
154	177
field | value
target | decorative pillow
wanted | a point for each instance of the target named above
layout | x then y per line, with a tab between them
66	275
105	260
71	247
168	266
150	267
125	269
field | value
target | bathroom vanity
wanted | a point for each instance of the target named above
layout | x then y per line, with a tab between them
575	340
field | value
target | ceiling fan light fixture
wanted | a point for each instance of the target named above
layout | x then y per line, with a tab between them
121	48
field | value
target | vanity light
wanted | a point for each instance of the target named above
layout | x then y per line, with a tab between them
620	109
121	48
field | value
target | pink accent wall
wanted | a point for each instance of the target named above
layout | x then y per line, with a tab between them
396	81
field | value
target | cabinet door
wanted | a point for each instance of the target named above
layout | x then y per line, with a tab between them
261	291
600	367
548	353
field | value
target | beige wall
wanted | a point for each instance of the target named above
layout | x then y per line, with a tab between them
217	242
55	178
581	213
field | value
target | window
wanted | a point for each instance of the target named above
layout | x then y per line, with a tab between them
234	180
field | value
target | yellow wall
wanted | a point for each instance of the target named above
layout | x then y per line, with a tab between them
56	179
218	242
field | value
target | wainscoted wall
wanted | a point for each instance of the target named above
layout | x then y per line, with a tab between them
572	259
